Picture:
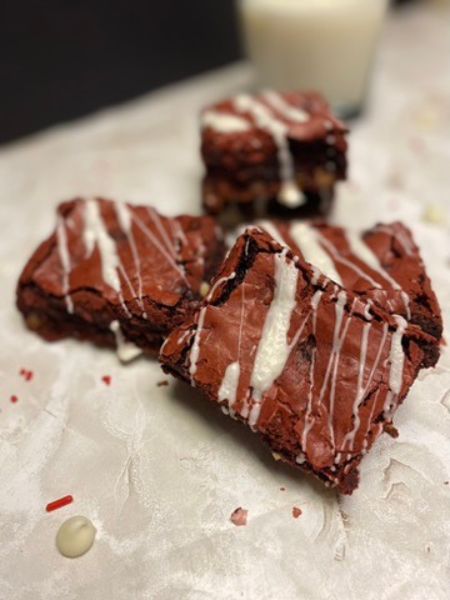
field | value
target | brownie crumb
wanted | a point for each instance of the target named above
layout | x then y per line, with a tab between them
446	482
296	512
282	489
239	517
162	383
390	430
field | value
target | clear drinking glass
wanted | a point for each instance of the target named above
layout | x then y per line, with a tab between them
323	45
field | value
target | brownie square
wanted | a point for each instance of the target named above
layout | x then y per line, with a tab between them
117	274
272	151
314	369
382	264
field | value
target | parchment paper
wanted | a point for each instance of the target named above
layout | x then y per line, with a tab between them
157	469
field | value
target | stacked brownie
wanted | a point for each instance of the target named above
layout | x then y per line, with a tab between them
272	151
309	333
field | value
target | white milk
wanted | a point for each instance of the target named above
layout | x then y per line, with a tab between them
324	45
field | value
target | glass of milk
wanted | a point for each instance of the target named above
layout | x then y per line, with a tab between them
323	45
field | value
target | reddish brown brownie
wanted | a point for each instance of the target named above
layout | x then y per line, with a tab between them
287	150
383	264
115	273
314	369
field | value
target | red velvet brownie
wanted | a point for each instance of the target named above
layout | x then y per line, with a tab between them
314	369
383	264
287	150
118	274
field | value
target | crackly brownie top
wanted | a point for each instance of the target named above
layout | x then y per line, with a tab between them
248	131
383	263
128	256
312	367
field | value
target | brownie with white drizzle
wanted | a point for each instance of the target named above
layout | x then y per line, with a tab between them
118	274
271	150
383	264
313	368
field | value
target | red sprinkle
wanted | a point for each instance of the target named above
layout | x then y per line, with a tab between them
296	512
106	379
239	517
64	501
26	374
14	399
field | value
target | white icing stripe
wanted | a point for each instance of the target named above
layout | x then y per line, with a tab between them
333	363
377	359
126	350
360	389
367	313
290	195
272	230
284	108
165	239
223	122
365	255
95	232
396	360
397	356
154	240
229	385
125	218
307	239
64	257
406	300
195	348
315	301
273	348
341	259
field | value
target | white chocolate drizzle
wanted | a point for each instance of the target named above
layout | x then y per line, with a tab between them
315	301
195	348
229	385
290	195
224	122
274	348
125	218
396	360
307	239
64	256
284	108
95	233
365	254
272	230
126	350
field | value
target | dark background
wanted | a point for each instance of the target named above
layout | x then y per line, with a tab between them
60	59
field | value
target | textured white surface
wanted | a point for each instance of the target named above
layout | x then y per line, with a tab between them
159	471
